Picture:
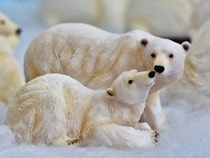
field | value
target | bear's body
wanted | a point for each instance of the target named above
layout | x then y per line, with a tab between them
96	57
56	109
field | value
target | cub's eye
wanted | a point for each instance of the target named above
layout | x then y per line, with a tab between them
153	55
130	81
2	22
171	56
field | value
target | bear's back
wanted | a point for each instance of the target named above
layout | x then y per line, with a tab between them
91	55
79	30
54	82
45	92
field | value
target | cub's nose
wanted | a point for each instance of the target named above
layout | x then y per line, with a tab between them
159	68
18	31
151	74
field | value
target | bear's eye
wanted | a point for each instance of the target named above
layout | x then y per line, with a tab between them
153	55
171	56
2	22
130	81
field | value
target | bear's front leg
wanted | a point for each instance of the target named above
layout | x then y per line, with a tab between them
113	135
153	113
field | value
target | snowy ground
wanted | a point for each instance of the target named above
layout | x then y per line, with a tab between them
188	134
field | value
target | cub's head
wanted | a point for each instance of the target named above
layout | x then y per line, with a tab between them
132	87
9	30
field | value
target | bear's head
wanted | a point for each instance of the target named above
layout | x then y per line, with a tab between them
9	30
131	87
165	57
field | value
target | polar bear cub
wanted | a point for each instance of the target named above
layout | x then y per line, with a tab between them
56	109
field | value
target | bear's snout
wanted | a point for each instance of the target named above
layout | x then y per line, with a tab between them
159	68
151	74
18	31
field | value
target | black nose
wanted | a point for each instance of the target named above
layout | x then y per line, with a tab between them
159	68
151	74
18	31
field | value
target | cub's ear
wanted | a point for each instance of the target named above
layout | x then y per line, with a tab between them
110	92
186	45
144	42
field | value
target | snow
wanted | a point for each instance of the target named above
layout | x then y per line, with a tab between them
188	134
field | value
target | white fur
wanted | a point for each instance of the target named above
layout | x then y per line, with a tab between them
96	57
6	47
10	75
56	110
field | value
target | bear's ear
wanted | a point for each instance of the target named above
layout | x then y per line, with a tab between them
186	45
144	42
110	92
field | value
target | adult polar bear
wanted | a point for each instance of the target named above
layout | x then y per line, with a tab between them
96	57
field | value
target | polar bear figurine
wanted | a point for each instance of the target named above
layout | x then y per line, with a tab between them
56	109
9	30
96	57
